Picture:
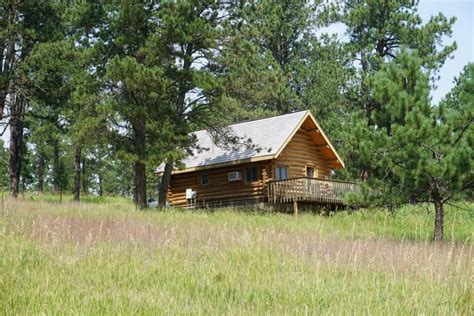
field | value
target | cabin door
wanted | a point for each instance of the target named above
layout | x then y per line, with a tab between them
310	183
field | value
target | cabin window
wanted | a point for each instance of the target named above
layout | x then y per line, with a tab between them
234	176
310	172
251	174
204	179
281	173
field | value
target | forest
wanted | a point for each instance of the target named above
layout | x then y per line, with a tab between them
94	95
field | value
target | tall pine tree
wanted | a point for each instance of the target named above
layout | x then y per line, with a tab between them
189	35
25	24
423	153
376	31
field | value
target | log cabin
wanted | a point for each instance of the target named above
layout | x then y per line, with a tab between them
290	160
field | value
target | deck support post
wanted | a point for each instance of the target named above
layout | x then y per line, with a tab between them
295	208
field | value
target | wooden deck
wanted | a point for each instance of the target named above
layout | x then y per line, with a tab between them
310	190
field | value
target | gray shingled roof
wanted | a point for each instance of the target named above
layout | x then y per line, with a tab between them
266	135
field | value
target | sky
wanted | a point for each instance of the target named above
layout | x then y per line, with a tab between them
463	35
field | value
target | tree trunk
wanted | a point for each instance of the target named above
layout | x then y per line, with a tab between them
165	183
101	189
180	111
16	140
77	175
135	196
41	166
56	167
3	97
139	178
140	181
439	220
84	181
8	61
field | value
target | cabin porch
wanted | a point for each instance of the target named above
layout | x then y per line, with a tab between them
307	189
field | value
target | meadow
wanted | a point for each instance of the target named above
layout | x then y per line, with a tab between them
105	257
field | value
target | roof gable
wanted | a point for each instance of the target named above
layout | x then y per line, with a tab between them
268	136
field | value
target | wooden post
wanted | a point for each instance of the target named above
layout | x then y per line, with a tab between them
295	207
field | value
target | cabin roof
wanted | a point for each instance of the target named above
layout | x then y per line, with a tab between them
268	138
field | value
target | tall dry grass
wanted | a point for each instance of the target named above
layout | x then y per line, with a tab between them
83	258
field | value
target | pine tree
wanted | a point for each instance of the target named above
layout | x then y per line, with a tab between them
377	30
135	88
422	153
51	68
135	116
274	61
25	24
189	38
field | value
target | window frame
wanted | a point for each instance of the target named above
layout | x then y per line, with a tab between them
201	177
287	172
256	174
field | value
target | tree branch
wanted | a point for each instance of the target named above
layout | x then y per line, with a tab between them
463	131
437	155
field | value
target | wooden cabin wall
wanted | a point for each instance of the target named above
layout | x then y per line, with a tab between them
219	188
301	152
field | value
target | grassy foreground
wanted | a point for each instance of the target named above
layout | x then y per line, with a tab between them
108	258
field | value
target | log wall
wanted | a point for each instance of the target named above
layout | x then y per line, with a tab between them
301	152
219	188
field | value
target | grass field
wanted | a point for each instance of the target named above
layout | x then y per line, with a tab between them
105	257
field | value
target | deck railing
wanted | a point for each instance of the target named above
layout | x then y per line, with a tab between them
310	190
